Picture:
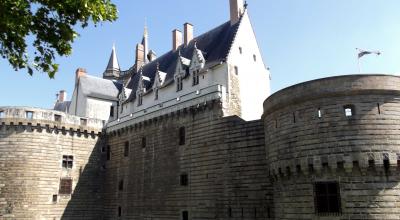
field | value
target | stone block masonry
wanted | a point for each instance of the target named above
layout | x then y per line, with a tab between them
33	143
217	172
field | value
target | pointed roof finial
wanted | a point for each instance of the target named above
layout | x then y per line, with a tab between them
145	27
245	4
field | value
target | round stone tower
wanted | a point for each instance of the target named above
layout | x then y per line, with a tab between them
333	148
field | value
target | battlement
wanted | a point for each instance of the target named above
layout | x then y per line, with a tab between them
48	119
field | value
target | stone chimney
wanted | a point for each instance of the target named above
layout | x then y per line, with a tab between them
79	73
62	96
140	57
176	39
236	9
188	33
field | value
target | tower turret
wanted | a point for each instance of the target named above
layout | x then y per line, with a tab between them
112	70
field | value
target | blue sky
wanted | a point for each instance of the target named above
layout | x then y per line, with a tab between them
300	41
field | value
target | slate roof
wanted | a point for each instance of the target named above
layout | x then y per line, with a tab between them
62	106
112	68
215	45
100	88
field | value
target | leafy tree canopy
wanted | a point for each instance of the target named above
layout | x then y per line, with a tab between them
51	24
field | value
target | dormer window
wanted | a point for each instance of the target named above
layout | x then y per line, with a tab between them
195	77
179	84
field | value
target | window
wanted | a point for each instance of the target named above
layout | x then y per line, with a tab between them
119	211
327	198
54	198
184	179
140	99
156	94
185	215
83	121
240	50
143	142
379	108
108	152
179	84
67	161
294	118
386	162
195	77
126	149
348	110
229	212
182	134
254	58
121	185
57	118
319	113
1	114
111	111
236	70
29	115
65	186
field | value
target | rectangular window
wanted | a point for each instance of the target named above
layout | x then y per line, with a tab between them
140	99
121	185
29	115
67	161
1	114
65	186
184	179
229	212
319	113
57	118
54	198
240	50
348	110
236	70
119	211
327	198
143	142
83	121
195	77
111	111
126	149
156	94
185	215
179	84
108	152
182	136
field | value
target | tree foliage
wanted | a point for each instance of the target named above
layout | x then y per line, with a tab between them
51	24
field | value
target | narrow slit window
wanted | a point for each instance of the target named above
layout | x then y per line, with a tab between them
254	58
156	94
379	108
179	84
121	185
140	99
55	198
108	152
126	149
229	212
236	70
294	118
386	162
111	111
195	77
119	211
143	142
240	50
327	198
29	115
319	113
182	136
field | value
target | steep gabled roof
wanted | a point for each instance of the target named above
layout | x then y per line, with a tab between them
215	45
112	68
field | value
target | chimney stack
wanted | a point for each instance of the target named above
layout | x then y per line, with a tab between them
62	96
176	39
188	33
140	57
79	73
236	9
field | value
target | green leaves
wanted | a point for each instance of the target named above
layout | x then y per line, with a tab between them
51	23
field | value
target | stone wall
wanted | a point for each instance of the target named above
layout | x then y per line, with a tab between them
310	139
32	145
223	158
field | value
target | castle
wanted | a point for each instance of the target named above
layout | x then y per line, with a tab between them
188	135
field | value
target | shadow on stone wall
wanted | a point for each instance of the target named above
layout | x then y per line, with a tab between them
86	199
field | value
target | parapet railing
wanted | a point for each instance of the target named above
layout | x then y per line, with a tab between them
215	92
34	116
